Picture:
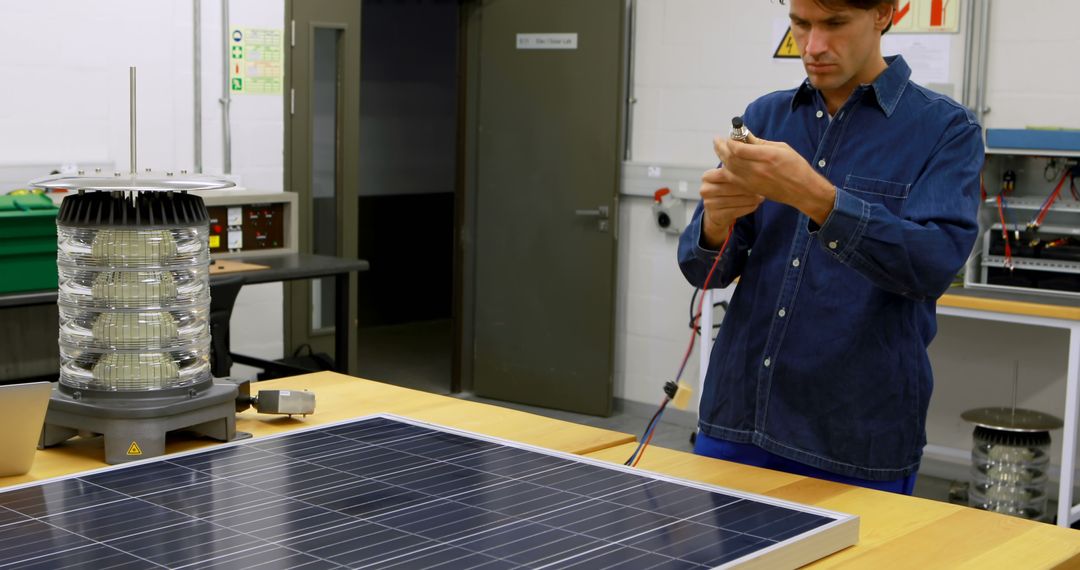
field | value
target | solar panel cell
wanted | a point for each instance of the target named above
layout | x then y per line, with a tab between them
89	556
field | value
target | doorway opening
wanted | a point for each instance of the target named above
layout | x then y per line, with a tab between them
408	176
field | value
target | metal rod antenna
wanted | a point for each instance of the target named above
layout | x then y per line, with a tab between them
131	81
226	98
197	75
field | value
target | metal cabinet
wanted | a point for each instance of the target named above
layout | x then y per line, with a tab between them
1029	220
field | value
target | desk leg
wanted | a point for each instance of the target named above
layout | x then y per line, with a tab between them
1068	443
341	323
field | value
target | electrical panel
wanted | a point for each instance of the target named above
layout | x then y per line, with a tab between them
246	223
252	227
1029	226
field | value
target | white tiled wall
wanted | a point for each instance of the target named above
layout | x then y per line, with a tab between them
1033	78
697	63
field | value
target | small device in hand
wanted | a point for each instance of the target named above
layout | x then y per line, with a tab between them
739	132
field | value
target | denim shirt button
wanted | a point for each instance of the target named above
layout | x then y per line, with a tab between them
794	262
833	245
820	114
821	163
768	361
782	313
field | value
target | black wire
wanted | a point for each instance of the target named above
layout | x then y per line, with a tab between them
645	435
1050	172
723	304
693	324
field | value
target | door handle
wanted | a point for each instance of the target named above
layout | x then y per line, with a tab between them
600	212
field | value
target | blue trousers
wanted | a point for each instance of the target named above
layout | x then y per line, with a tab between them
750	454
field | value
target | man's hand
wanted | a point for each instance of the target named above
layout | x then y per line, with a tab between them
723	203
775	171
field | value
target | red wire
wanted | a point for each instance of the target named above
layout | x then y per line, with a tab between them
693	334
1004	231
1050	200
701	301
646	446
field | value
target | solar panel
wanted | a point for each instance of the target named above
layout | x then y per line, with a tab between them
388	492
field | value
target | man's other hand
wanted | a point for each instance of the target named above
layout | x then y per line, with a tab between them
723	203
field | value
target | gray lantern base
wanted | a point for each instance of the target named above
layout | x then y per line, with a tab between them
134	425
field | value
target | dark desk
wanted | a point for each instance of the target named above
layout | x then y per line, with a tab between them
283	267
293	266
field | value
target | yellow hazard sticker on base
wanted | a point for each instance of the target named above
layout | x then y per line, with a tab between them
133	449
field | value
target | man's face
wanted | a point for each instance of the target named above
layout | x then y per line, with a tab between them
840	48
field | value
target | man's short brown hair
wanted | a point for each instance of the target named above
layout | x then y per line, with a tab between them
858	4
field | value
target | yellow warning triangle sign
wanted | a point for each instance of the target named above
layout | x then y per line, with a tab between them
787	48
133	449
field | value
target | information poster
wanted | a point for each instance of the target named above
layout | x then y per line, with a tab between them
256	61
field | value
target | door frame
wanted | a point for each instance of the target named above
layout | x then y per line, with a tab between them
464	301
297	161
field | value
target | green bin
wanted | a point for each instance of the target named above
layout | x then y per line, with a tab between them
27	243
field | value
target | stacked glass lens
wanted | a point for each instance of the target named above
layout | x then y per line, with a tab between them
1009	472
134	298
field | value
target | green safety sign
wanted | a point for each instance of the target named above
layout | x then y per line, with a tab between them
257	61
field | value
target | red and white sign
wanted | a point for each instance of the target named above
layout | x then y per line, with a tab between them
927	16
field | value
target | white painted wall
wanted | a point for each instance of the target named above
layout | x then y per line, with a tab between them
65	100
1032	80
698	62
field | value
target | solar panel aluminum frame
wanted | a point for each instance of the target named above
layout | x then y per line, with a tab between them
794	552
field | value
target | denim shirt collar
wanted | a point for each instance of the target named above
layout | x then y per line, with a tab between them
888	87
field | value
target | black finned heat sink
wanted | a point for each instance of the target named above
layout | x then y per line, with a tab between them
145	209
1012	438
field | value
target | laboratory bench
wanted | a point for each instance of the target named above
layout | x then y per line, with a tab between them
895	530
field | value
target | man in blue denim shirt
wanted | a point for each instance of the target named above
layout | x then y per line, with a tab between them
845	234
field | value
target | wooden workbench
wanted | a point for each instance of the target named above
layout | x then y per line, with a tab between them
895	531
339	397
1029	304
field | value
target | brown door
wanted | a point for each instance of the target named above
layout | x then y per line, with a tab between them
548	118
